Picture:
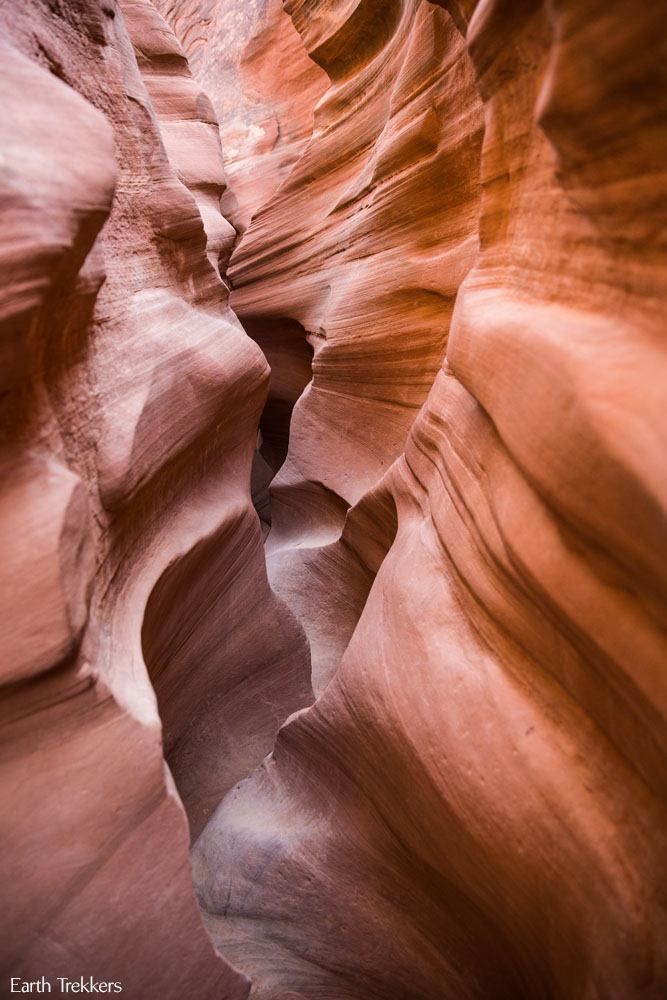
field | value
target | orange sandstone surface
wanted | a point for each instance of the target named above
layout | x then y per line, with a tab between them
333	498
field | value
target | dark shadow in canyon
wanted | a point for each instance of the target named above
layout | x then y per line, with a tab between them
290	357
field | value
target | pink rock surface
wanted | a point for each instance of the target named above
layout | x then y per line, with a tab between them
131	401
252	63
475	806
447	236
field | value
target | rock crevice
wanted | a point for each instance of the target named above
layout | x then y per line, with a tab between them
333	522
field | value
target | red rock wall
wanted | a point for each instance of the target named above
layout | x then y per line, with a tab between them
130	401
251	61
473	244
452	254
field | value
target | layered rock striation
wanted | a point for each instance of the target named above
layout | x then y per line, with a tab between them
473	245
444	230
131	396
251	61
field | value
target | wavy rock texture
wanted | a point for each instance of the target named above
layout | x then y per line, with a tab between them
452	255
130	402
475	806
251	61
377	220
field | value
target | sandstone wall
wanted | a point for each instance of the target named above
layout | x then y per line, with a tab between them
473	244
130	401
444	229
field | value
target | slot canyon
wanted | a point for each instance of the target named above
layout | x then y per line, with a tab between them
333	509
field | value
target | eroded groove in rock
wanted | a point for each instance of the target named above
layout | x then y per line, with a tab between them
251	61
377	219
448	233
475	805
131	397
227	661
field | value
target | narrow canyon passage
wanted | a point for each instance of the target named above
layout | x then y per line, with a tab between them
333	506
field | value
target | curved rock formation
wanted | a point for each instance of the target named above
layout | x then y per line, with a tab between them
446	237
251	61
130	405
475	807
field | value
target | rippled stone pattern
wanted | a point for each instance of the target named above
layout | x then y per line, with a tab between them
443	230
249	58
473	244
130	401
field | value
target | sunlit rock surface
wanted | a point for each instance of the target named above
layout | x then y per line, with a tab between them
443	230
252	63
